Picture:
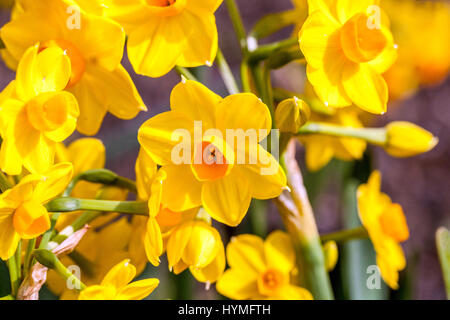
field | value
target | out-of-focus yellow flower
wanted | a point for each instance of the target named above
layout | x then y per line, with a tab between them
35	111
320	149
162	34
117	285
220	175
386	224
106	243
190	243
261	269
94	46
22	211
347	45
422	29
405	139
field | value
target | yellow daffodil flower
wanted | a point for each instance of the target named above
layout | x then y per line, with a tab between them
35	111
386	224
22	211
422	29
347	46
116	285
190	243
94	46
162	34
212	172
261	269
405	139
320	149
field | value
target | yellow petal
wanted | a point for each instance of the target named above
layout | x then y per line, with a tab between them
196	101
346	9
291	292
267	179
153	242
318	37
228	199
54	182
208	6
97	293
366	88
122	98
238	285
160	134
9	238
69	126
181	191
86	154
244	111
319	151
120	275
246	253
202	43
203	246
41	155
213	271
154	47
145	171
91	102
177	242
391	260
279	252
138	290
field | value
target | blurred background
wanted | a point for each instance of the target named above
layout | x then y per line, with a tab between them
420	184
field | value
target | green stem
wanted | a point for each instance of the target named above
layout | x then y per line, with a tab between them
345	235
49	259
238	25
79	223
265	51
73	204
226	73
245	77
27	259
4	183
14	270
184	72
282	58
372	135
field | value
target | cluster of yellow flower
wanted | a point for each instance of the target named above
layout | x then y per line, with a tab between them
203	160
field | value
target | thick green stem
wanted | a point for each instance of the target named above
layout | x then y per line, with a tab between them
372	135
226	73
346	235
73	204
27	259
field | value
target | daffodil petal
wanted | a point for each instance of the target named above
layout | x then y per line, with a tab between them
153	241
9	238
291	292
138	290
120	275
54	181
246	253
279	252
237	284
366	88
227	199
86	154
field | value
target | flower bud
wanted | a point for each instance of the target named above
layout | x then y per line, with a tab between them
405	139
330	250
291	115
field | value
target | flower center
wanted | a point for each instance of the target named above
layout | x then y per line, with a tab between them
271	281
31	219
361	41
168	218
393	223
209	162
77	61
47	111
161	3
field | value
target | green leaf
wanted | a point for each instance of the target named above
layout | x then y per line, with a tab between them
443	248
5	286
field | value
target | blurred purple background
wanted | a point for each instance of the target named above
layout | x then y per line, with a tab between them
420	184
